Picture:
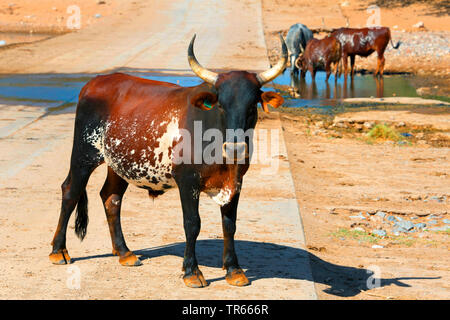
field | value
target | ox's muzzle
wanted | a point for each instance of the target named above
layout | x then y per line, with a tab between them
235	151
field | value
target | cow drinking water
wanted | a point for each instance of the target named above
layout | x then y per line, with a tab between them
297	37
135	126
322	54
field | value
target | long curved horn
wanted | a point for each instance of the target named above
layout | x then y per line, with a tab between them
205	74
272	73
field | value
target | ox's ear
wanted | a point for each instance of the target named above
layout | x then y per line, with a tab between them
272	98
204	100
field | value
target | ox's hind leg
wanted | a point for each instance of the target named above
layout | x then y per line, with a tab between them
380	65
328	71
73	195
111	194
188	186
352	65
235	275
345	63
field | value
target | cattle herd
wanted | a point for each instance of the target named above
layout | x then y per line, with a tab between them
310	54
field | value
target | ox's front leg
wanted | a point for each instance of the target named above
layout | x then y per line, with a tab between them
235	275
188	186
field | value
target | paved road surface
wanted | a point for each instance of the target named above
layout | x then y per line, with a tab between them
34	157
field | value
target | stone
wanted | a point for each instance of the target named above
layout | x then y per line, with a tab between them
377	246
397	230
380	233
438	199
422	142
447	221
336	134
423	91
341	124
419	25
432	222
420	225
407	225
420	135
443	228
391	218
381	214
368	125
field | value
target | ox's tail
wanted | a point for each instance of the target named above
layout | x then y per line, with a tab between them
82	219
395	46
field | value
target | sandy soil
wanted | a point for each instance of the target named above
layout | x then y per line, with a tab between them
52	16
340	176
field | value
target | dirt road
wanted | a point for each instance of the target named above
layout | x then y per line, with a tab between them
152	35
35	151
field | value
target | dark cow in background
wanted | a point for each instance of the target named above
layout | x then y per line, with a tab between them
296	41
363	42
320	54
134	125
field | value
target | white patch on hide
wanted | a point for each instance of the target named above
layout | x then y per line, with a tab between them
153	167
221	197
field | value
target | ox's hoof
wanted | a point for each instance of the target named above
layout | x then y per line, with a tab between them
60	257
129	260
195	280
237	278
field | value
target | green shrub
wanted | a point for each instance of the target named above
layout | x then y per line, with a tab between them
383	131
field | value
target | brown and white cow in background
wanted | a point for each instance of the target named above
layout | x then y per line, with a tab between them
363	42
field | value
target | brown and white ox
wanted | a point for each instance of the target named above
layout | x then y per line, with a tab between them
134	126
363	42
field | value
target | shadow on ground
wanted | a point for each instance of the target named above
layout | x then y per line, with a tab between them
267	260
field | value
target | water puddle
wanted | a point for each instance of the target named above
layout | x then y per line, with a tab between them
329	94
59	92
